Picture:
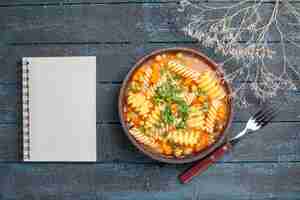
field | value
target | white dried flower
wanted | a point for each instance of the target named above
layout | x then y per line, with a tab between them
242	35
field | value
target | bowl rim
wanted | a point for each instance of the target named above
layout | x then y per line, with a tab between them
203	153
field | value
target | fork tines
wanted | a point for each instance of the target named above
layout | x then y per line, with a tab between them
265	115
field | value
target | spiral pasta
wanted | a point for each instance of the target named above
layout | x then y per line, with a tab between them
196	119
142	138
178	152
153	117
222	111
173	109
189	97
183	137
139	102
182	70
159	133
212	116
209	83
146	77
150	91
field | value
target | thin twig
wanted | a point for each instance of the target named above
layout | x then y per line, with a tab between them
242	34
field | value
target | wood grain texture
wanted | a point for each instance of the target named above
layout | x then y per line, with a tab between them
118	32
154	22
148	182
8	142
113	63
107	98
278	142
71	2
8	103
78	2
115	60
87	23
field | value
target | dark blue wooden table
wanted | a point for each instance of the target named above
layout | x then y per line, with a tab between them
266	166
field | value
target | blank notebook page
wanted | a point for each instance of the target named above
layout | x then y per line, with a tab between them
62	108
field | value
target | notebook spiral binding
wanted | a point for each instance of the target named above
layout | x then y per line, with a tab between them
26	110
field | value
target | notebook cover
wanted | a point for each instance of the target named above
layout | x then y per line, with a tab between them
59	109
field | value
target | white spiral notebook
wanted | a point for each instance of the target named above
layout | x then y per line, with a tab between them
59	109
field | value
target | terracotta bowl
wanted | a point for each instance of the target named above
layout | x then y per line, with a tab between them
223	135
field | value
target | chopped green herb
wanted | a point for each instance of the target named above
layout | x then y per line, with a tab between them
193	109
177	77
177	99
163	71
200	92
167	92
170	93
167	116
157	100
183	107
183	111
180	125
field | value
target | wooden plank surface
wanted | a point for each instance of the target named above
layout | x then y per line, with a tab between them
263	166
9	143
107	95
115	60
279	142
78	2
154	22
107	98
135	182
88	23
72	2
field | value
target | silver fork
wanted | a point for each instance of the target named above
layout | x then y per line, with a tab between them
256	122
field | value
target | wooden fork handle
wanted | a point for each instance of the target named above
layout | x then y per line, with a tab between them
204	164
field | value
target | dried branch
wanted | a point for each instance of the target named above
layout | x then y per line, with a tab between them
241	32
